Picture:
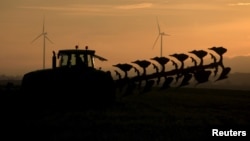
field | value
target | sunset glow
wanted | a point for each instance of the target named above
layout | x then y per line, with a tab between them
121	31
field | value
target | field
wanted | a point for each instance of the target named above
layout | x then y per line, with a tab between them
173	114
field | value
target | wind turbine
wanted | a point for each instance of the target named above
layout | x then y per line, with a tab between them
161	34
44	34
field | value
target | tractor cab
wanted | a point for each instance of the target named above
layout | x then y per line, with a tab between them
73	80
76	57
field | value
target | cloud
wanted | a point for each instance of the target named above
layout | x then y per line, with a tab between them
239	4
151	8
91	9
135	6
68	8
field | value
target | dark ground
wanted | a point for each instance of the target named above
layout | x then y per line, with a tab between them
173	114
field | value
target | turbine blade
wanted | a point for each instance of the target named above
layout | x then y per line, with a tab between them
48	39
158	25
156	41
37	37
43	24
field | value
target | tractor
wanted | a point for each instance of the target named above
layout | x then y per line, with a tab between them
75	80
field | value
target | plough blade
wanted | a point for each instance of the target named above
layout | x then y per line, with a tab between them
201	73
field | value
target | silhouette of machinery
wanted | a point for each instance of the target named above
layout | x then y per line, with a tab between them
74	80
200	71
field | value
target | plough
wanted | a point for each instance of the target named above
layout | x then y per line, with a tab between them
200	72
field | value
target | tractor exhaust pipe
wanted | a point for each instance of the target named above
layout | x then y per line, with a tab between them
54	60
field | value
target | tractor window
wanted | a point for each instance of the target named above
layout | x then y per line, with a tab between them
77	59
71	59
64	60
90	61
93	60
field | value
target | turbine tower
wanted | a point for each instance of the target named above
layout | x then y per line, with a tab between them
161	34
44	34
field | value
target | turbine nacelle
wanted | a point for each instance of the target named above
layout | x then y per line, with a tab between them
164	34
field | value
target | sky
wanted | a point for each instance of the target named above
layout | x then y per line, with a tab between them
121	31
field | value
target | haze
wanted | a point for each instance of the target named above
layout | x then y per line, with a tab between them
121	31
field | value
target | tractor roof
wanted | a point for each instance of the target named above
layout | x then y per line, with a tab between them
76	51
83	51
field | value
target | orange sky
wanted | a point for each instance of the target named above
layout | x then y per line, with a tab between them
121	31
